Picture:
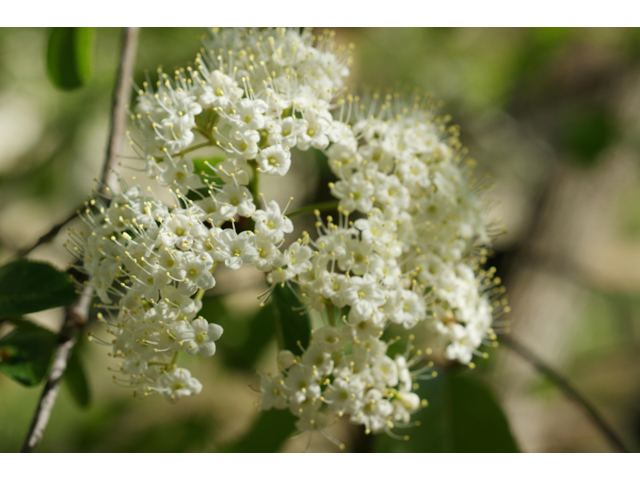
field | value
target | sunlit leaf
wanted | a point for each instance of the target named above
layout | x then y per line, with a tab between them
588	132
27	287
463	416
206	168
70	52
25	352
76	379
270	430
257	333
191	434
292	320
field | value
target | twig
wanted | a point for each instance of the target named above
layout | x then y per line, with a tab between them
76	317
119	104
50	235
569	390
323	207
76	314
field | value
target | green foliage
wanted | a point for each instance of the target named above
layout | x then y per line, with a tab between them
293	324
75	378
205	171
25	353
174	436
27	287
268	433
463	416
588	132
245	337
70	52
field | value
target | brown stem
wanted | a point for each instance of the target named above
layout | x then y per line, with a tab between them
76	314
76	317
50	235
569	390
119	103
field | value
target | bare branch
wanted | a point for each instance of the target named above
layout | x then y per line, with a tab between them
76	317
120	100
50	235
76	314
569	390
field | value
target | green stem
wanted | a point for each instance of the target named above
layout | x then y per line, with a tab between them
172	363
278	324
331	314
195	147
204	133
255	188
199	294
323	207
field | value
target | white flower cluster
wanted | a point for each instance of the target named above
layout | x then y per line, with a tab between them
153	259
406	248
373	389
253	94
414	254
410	257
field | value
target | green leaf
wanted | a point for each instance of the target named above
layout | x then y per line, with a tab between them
25	353
166	435
205	167
268	433
588	132
76	380
27	287
293	324
70	54
463	416
246	335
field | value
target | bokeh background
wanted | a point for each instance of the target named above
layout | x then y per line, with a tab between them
553	115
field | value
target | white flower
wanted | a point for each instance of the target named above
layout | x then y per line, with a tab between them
216	89
181	229
274	160
297	258
197	273
174	385
267	253
355	193
301	385
315	135
237	197
215	211
245	143
273	395
180	175
235	249
345	396
375	412
202	338
272	223
249	114
405	307
366	295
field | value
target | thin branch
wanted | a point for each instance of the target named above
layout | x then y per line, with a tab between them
76	314
50	235
569	390
194	147
323	207
120	103
76	317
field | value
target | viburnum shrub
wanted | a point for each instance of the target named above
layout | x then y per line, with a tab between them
406	247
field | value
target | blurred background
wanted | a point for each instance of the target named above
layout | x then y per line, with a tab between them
552	115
